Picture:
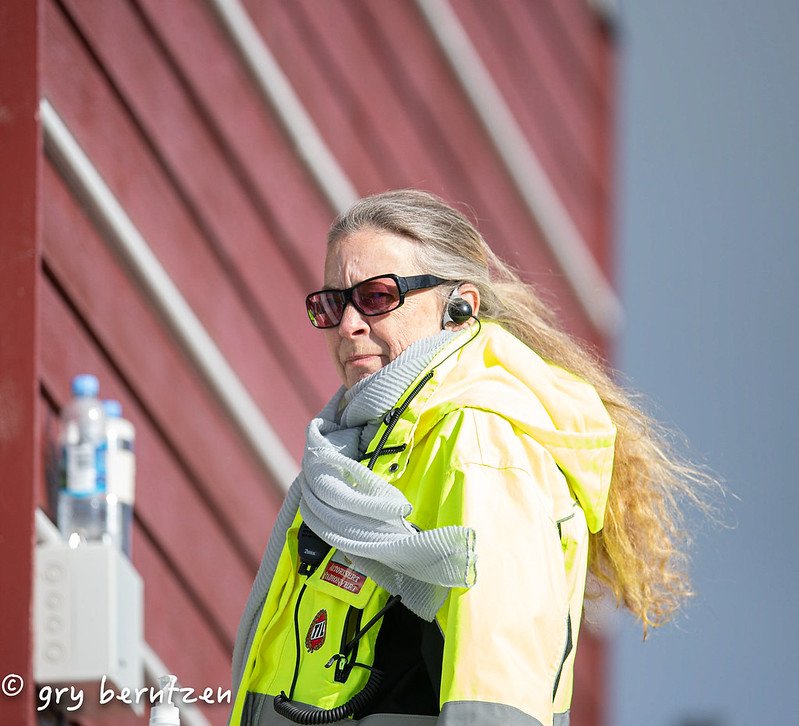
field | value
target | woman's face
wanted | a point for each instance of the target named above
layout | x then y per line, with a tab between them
363	344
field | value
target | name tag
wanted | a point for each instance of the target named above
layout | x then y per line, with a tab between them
340	573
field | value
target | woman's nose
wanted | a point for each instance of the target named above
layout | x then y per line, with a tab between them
352	322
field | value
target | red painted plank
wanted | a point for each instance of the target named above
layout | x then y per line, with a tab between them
102	127
157	371
529	105
565	39
541	42
378	74
345	84
566	104
350	141
165	111
168	503
46	484
588	49
19	425
583	29
251	134
274	278
354	64
177	633
591	681
606	146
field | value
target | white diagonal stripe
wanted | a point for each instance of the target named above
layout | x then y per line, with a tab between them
280	95
594	293
217	373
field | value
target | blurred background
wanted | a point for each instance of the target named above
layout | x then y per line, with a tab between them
708	227
170	169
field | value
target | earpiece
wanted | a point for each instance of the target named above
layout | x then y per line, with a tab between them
457	311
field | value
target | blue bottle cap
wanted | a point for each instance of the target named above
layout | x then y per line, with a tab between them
112	408
85	385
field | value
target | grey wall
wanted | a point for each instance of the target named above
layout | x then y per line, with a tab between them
709	234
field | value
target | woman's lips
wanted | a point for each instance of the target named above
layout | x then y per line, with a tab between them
362	359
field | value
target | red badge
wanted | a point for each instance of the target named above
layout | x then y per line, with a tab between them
316	633
344	577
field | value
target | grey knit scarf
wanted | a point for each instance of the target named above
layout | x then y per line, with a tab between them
356	511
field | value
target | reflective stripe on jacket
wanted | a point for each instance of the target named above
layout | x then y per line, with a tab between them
498	440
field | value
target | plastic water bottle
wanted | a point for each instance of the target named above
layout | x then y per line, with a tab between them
82	437
86	512
120	466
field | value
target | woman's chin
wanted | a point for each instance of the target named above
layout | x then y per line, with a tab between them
360	368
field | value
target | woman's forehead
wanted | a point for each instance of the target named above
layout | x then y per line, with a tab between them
367	253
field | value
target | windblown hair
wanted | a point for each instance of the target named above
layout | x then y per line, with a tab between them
641	552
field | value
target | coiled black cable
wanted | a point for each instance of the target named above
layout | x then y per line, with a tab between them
309	715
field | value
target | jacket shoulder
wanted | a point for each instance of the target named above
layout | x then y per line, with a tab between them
480	436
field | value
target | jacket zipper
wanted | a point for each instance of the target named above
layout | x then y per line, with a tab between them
566	650
395	416
352	623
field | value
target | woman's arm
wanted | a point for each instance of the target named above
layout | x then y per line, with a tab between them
505	637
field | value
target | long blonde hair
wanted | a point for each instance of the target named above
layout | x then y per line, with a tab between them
641	552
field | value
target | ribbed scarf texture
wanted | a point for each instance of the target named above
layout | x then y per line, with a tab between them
358	512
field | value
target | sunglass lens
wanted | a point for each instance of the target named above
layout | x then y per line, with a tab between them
374	297
325	308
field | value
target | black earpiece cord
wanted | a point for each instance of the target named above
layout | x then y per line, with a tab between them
395	414
392	601
296	644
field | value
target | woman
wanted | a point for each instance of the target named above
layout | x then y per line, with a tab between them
430	560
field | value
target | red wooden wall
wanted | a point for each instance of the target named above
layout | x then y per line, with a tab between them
161	102
19	457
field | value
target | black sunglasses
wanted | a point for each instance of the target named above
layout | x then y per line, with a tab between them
373	296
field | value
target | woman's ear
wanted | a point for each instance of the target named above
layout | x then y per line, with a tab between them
471	294
468	292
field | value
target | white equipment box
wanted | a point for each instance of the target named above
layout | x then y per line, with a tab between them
88	626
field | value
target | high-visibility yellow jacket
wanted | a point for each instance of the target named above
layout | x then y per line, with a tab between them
495	439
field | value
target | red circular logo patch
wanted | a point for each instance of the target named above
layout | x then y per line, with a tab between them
317	632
